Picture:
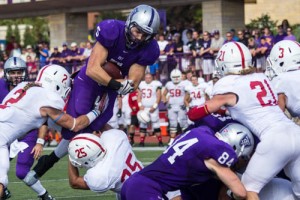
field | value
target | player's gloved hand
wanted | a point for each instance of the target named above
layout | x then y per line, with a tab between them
98	106
127	87
119	113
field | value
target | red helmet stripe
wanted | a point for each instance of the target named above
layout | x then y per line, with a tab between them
89	139
40	74
242	54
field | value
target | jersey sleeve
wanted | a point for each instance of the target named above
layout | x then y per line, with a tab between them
149	54
97	181
187	88
279	85
54	101
159	85
107	33
224	85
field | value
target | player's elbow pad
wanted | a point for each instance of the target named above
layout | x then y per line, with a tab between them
198	112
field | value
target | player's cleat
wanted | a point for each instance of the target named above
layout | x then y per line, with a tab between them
160	144
142	144
6	194
46	196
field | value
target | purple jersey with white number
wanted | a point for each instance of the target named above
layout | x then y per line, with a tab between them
182	164
3	89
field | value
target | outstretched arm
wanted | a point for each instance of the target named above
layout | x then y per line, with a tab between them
76	181
228	177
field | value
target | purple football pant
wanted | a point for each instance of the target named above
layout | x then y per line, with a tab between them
25	159
81	101
138	187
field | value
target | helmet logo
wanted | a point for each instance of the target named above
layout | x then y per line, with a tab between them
245	141
65	78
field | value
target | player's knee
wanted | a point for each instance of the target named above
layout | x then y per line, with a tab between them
31	178
21	171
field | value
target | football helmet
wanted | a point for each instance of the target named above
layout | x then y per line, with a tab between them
14	64
55	78
86	150
146	19
284	57
143	116
175	76
239	137
233	58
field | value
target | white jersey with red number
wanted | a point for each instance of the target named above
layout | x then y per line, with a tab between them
176	93
289	84
19	115
256	105
149	92
197	95
118	164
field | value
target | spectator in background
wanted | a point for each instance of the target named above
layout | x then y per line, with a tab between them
87	51
195	48
252	47
216	42
44	54
241	38
269	37
208	57
285	25
31	68
178	43
162	60
229	37
261	55
234	37
280	34
290	35
75	57
169	51
9	45
55	57
30	52
66	52
16	51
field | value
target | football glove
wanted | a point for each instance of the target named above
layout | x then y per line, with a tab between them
127	87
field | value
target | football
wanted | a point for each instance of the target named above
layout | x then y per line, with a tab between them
113	70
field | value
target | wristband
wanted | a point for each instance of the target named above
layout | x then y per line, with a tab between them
114	85
140	104
58	118
74	124
40	141
92	116
155	105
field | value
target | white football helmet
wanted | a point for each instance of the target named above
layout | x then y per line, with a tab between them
175	76
86	150
55	78
239	137
13	64
284	57
146	19
144	116
232	58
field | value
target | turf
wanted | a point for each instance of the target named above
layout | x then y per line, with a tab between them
56	180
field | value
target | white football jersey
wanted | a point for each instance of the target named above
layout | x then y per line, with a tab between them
197	95
288	84
256	105
149	92
176	93
118	164
20	114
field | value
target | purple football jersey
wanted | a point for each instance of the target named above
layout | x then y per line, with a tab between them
3	89
214	121
182	164
111	35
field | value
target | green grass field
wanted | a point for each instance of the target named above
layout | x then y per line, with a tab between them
56	181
